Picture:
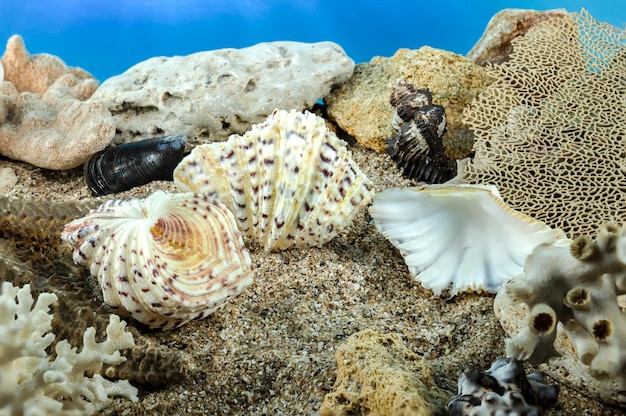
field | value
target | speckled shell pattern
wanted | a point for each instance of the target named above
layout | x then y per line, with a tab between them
289	181
165	259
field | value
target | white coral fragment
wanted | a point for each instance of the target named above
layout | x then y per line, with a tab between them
31	383
578	285
458	237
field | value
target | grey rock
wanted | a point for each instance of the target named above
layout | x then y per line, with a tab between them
210	95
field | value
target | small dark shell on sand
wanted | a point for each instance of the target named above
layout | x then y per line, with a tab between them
503	389
418	148
126	166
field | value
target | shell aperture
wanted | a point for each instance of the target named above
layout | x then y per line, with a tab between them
289	181
165	259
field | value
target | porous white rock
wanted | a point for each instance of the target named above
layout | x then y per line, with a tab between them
210	95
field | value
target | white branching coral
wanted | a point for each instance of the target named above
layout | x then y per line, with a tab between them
33	384
578	287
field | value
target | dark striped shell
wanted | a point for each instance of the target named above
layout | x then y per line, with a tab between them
418	149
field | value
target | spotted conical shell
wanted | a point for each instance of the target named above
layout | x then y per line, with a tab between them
289	181
163	260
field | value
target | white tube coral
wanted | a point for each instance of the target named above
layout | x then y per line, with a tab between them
31	383
578	287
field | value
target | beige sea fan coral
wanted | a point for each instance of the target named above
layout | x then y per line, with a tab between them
33	384
550	131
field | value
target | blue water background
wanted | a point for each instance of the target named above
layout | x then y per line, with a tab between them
108	37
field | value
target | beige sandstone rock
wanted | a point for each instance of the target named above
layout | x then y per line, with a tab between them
494	46
378	375
361	106
45	118
8	179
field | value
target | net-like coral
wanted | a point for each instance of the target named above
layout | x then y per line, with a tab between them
551	130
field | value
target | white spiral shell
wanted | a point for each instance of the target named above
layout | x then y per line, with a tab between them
289	181
163	260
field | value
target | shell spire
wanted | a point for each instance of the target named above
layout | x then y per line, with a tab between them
420	125
163	260
289	181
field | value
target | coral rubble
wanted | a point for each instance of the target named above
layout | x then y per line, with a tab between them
46	120
378	375
502	389
494	46
32	383
549	131
576	287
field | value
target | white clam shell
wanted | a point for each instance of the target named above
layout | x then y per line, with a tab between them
163	260
289	181
459	237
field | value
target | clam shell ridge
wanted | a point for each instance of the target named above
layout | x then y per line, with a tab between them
459	238
289	181
163	260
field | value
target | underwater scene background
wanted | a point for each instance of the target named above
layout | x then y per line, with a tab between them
108	37
199	244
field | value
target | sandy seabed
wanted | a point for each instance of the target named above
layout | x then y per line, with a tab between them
270	351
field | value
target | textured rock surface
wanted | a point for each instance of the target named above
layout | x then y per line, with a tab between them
494	46
45	120
8	179
361	106
211	95
35	73
378	375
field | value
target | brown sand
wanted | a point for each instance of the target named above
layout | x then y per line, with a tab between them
271	350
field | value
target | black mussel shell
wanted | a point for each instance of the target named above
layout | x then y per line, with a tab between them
126	166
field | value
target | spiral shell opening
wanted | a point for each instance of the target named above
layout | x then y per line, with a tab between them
163	260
